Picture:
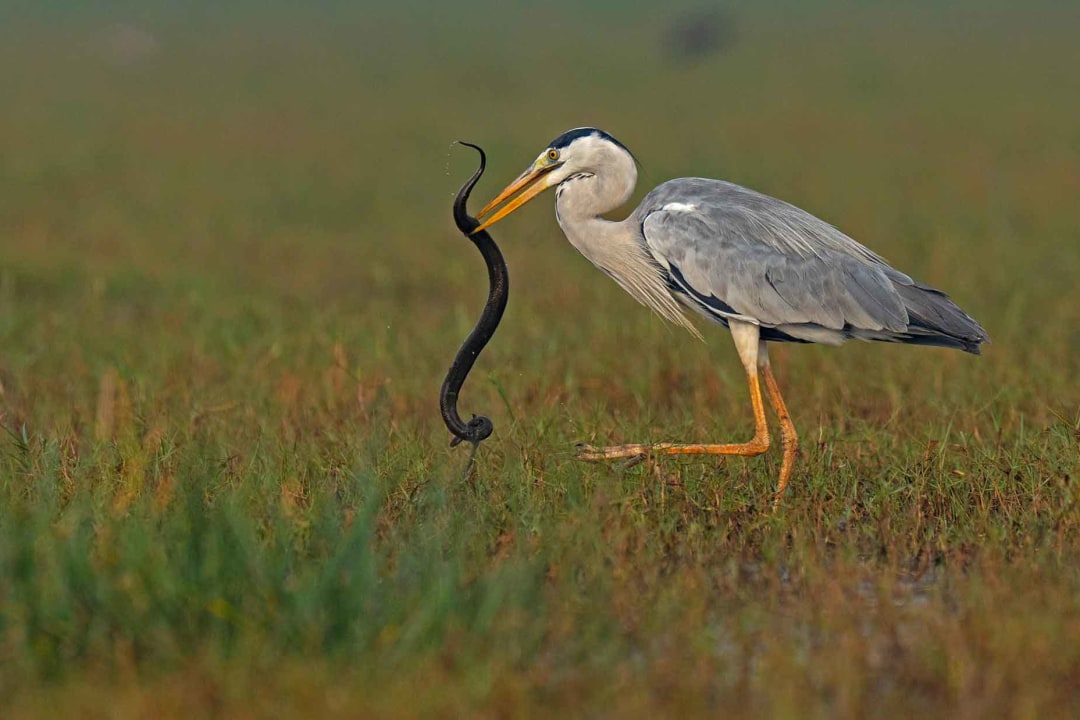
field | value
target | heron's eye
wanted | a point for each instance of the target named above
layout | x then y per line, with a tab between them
552	155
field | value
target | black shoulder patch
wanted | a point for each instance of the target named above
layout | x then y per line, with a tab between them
679	284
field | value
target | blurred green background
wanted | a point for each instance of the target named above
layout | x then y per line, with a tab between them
230	286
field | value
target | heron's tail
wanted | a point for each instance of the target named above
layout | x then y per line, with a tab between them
934	319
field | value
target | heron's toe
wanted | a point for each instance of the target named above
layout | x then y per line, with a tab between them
585	451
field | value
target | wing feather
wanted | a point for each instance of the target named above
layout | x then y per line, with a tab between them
766	260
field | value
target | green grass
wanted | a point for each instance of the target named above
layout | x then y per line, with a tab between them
230	286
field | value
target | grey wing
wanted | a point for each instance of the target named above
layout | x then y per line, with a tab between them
735	253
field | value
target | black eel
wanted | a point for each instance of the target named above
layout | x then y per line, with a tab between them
479	428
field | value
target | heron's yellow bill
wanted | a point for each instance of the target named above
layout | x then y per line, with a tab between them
531	183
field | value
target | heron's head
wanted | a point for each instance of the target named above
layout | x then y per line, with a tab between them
582	152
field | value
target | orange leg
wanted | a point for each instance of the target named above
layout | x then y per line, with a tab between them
748	344
788	435
758	445
755	358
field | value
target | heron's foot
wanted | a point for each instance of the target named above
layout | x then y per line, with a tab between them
615	452
637	452
791	451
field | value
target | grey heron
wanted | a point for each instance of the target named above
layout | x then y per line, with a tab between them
763	268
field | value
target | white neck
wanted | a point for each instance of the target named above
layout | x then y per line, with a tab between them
581	199
614	246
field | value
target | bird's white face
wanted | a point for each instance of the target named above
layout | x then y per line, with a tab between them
578	152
